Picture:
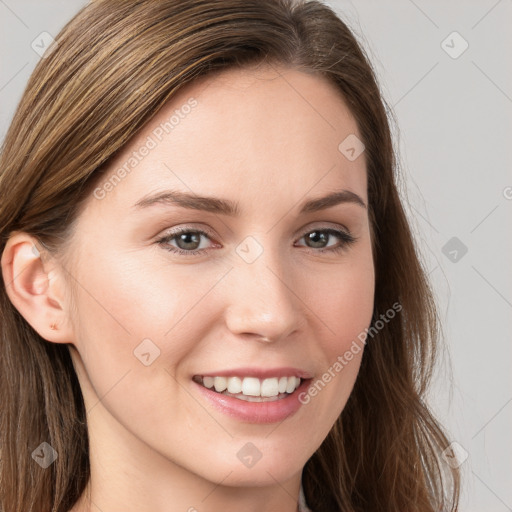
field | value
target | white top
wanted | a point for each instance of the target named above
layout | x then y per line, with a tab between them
303	507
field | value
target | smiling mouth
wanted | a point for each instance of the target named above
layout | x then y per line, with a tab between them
251	389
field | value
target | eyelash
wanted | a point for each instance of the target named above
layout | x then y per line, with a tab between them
346	241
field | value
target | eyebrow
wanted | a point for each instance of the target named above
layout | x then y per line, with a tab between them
227	207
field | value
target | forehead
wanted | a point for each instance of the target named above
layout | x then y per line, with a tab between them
243	130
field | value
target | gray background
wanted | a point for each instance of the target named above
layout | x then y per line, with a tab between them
454	126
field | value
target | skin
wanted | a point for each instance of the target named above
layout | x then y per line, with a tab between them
266	137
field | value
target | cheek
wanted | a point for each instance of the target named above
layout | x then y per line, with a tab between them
112	317
126	295
344	299
129	307
135	326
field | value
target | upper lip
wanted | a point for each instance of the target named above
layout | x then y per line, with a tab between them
260	373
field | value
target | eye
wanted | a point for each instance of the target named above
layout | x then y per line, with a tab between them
321	239
192	242
185	241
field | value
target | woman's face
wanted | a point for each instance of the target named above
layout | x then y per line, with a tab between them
227	274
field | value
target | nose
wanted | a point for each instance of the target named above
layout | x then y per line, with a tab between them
263	301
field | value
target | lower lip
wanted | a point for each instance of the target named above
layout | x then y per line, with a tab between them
256	412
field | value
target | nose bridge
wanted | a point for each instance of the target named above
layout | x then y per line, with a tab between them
261	301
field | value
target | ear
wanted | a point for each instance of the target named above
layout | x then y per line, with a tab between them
36	288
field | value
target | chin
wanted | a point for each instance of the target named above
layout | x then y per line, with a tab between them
261	475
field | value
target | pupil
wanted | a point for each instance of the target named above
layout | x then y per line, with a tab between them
317	237
189	240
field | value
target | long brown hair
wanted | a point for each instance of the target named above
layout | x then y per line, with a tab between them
116	63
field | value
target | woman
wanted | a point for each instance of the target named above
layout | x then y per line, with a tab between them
212	299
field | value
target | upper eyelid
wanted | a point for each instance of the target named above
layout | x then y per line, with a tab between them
207	231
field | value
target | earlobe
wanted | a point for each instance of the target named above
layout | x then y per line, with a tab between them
35	288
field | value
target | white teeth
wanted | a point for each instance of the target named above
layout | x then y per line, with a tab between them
249	387
269	387
234	385
208	382
290	387
220	384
